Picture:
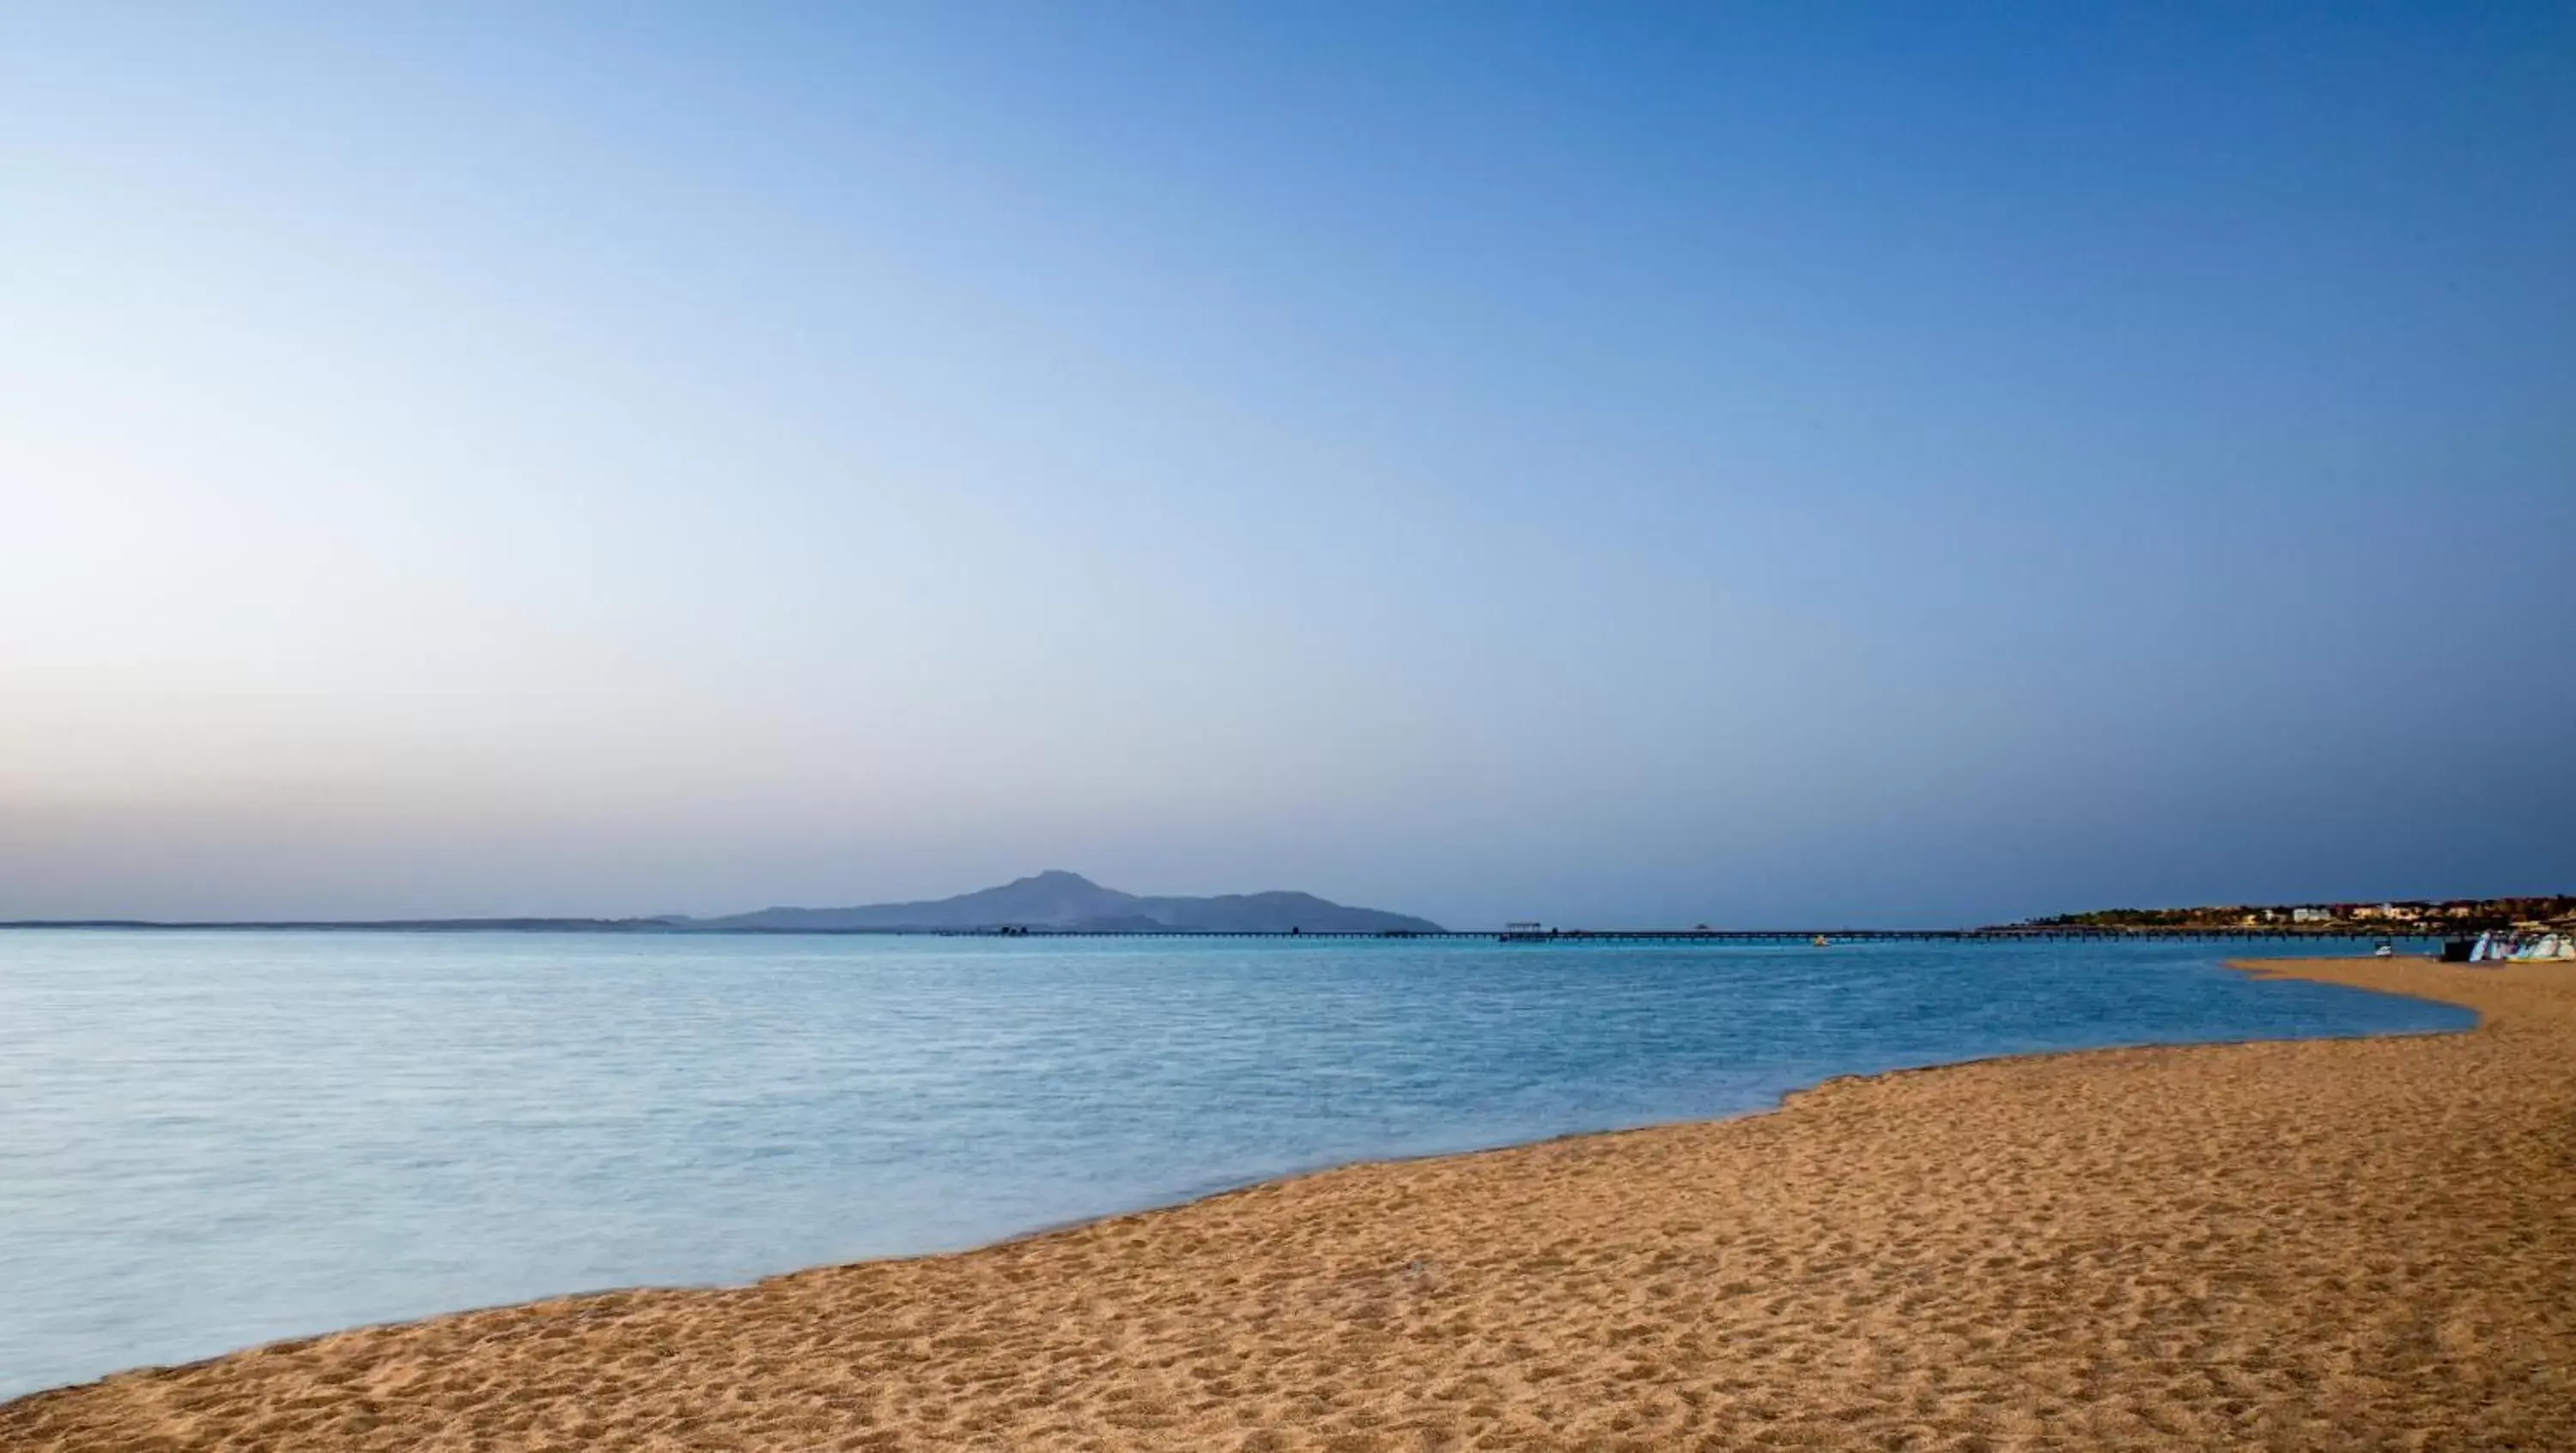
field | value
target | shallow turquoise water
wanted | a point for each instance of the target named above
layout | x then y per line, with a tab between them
214	1139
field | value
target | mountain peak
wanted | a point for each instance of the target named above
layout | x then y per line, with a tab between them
1059	898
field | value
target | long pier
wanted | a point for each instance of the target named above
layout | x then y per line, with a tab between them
1730	935
2006	934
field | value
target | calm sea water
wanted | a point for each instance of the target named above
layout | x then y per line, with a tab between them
209	1140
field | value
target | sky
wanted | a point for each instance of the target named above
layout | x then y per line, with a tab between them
1767	465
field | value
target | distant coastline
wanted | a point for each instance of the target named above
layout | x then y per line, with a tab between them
1059	904
2003	933
2404	918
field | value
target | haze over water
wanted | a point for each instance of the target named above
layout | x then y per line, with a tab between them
214	1139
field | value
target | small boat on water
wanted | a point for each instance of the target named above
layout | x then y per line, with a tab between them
2384	951
1820	941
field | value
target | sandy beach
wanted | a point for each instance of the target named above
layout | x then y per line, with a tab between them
2339	1244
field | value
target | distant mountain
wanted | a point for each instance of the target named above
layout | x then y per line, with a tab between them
1069	900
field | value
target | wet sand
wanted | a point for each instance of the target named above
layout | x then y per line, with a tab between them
2346	1244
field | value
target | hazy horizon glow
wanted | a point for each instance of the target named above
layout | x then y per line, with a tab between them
1784	465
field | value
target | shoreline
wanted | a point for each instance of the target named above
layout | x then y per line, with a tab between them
2521	1008
2251	968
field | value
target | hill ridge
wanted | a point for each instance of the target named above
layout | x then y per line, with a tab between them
1063	899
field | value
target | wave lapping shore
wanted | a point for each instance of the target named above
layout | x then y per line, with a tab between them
2343	1244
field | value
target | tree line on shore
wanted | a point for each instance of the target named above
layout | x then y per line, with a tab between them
2452	915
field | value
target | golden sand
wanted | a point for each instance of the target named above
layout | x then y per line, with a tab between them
2333	1245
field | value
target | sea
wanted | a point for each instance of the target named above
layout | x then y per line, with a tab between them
215	1139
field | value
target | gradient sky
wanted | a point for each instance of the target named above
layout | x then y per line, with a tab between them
1630	464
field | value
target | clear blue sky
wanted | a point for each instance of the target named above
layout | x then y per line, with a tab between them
1602	464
